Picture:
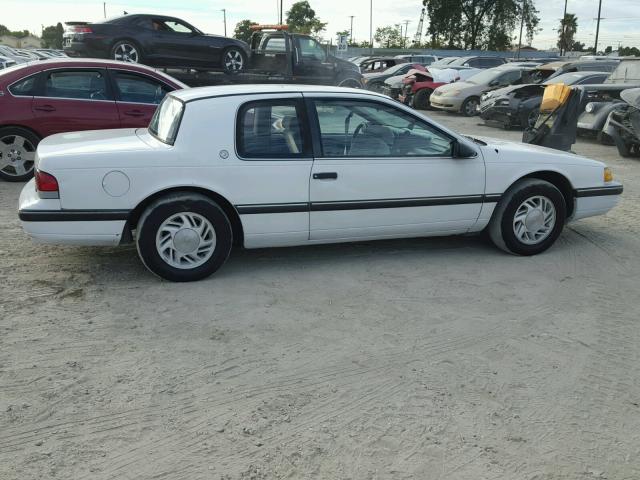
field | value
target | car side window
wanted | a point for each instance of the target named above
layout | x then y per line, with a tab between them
509	78
311	49
136	88
272	129
78	84
177	27
354	128
25	87
275	44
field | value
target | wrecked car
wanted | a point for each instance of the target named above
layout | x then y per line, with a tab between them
518	105
374	81
623	124
602	99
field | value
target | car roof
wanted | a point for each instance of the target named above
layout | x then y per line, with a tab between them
200	93
29	68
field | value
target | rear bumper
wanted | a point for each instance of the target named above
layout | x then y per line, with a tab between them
46	222
86	47
596	201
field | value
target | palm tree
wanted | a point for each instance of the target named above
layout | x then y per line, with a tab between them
567	30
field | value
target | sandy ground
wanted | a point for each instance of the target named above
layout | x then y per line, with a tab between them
416	359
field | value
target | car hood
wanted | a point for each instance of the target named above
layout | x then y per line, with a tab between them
503	151
395	81
461	86
93	147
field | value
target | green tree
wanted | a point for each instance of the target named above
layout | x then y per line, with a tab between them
4	30
243	30
302	19
445	23
388	37
52	36
566	31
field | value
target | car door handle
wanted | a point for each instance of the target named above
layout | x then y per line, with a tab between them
134	113
325	176
45	108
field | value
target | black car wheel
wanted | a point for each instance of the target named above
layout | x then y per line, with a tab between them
421	99
126	51
529	217
184	237
470	107
17	154
234	60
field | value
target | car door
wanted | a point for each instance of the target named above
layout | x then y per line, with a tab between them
273	143
74	99
137	96
177	43
312	62
382	171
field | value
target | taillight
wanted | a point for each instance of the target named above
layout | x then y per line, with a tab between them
81	29
46	185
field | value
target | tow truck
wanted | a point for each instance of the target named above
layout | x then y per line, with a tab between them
278	56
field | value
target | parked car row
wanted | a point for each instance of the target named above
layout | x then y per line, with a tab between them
22	55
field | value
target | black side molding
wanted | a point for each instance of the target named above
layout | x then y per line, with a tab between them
72	215
598	191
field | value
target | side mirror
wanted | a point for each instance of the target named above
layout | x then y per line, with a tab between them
461	150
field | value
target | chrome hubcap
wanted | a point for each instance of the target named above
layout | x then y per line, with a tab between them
233	60
472	107
186	240
17	155
126	53
534	220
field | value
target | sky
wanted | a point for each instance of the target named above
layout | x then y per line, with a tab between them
619	25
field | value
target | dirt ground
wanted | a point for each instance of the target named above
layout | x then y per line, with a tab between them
413	359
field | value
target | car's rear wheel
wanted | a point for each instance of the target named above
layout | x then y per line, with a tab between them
184	237
349	82
470	107
529	217
17	153
234	60
421	99
126	51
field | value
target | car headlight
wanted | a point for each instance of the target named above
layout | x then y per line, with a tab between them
590	108
608	174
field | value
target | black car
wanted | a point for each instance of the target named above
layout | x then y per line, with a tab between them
518	105
157	41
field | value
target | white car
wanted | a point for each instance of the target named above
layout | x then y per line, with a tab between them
279	165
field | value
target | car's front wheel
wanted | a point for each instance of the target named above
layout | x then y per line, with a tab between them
17	154
234	60
529	217
470	107
184	237
421	100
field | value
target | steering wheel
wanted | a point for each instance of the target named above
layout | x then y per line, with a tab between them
97	95
360	129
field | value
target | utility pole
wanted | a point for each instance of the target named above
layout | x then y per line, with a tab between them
595	50
351	30
406	30
371	26
564	29
524	11
224	15
104	9
281	12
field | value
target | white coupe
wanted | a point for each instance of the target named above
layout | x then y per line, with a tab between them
279	165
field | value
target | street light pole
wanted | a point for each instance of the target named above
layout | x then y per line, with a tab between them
595	50
564	29
351	30
224	14
524	10
406	30
371	27
281	12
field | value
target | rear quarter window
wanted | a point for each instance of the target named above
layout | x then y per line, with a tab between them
24	87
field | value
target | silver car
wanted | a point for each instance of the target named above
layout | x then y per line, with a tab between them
464	96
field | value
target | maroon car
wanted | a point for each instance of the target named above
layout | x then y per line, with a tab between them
54	96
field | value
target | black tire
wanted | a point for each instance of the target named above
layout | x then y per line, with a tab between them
349	82
624	148
121	47
163	209
234	61
501	227
469	107
9	134
421	100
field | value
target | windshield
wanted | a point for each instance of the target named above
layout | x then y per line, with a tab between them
166	121
628	71
485	76
395	68
566	78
